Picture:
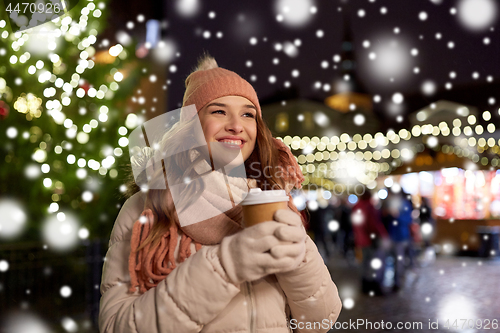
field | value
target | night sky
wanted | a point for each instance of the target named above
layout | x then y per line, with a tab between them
416	46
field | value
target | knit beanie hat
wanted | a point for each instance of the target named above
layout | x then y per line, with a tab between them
209	82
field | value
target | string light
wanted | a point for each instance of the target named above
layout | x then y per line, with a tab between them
345	147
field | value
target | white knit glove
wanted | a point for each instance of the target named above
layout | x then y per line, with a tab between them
263	249
294	233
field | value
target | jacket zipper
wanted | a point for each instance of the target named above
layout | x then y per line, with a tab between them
252	315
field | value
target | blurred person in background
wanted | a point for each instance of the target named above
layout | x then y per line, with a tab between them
371	239
427	227
345	234
318	223
426	217
397	216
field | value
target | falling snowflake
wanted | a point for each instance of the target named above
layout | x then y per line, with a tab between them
477	15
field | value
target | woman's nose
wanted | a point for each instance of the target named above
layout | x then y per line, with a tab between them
234	125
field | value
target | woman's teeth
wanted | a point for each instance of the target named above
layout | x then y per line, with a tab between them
232	142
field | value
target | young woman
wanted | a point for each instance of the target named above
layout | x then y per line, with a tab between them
179	259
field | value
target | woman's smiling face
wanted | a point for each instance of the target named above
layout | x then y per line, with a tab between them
231	121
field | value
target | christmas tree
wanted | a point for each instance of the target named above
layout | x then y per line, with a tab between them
64	124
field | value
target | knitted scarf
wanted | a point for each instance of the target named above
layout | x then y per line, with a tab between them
151	264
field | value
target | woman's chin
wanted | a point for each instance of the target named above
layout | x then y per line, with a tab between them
224	156
229	164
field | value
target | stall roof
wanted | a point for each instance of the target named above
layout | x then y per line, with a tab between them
302	117
442	110
429	160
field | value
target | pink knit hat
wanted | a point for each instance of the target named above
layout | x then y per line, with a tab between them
209	82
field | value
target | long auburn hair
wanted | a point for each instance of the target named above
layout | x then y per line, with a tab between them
263	165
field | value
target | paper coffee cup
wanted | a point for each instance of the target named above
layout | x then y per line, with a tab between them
259	206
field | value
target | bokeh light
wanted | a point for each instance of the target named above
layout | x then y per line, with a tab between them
13	219
376	263
24	322
294	13
454	307
348	303
187	8
69	324
60	231
388	59
477	15
333	225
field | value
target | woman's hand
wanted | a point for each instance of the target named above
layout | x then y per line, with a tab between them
293	234
263	249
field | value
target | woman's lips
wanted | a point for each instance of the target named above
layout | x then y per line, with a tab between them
232	144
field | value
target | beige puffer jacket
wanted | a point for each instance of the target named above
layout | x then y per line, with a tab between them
198	297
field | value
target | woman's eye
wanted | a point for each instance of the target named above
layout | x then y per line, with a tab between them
249	114
218	112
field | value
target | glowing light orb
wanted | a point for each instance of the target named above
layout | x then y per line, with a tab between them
477	15
382	194
87	196
65	291
359	119
312	205
428	88
290	49
294	13
352	198
432	141
321	119
13	219
376	263
299	202
4	266
390	59
69	324
388	182
426	228
11	132
187	8
25	322
165	50
83	233
123	38
333	226
397	98
60	232
454	306
396	188
348	303
32	171
357	218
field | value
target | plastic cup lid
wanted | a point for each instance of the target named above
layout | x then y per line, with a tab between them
256	197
